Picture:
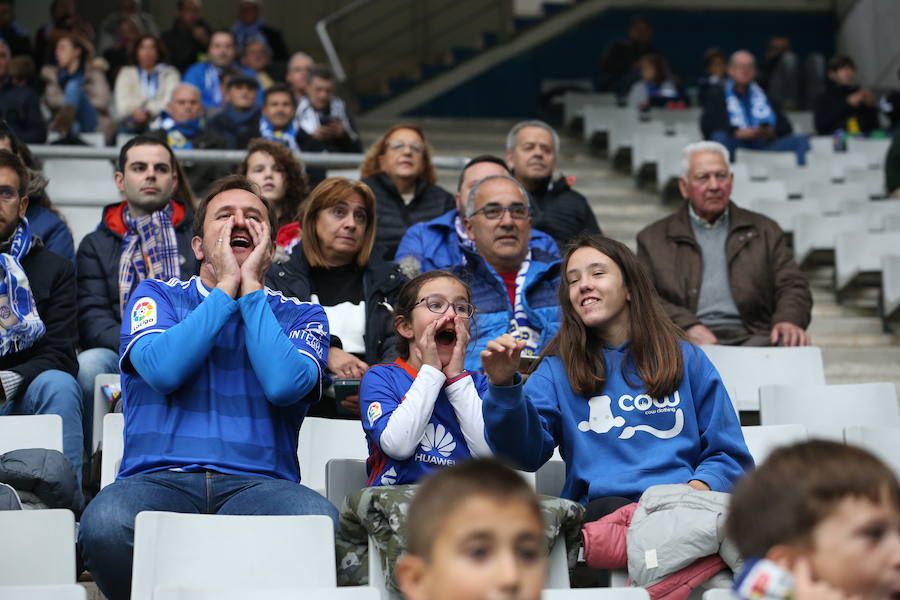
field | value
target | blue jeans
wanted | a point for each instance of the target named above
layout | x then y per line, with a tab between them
91	363
798	144
106	535
55	393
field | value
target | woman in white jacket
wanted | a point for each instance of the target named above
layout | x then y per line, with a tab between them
143	89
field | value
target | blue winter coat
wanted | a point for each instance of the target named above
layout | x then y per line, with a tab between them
435	243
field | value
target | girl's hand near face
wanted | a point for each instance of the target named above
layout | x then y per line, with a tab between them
425	346
457	360
500	359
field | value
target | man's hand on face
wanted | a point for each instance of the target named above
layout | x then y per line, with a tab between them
224	265
253	271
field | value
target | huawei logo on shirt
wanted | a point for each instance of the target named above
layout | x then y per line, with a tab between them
436	445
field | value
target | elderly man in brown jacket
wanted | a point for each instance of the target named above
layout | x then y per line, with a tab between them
725	274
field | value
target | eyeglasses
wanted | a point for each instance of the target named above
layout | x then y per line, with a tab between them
494	211
402	146
8	193
439	305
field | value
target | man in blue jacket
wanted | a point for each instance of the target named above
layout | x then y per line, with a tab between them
217	375
439	243
208	76
515	287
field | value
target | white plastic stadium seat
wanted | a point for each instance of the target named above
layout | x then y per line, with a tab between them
744	370
38	547
611	593
113	447
784	212
343	476
826	410
80	188
323	439
228	551
825	191
762	439
883	442
252	593
43	592
890	285
720	594
760	161
874	150
101	405
750	191
857	255
30	431
817	234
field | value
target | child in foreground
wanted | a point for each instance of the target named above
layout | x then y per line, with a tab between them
423	411
473	531
818	521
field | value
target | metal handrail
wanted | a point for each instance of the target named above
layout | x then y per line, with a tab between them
325	39
330	160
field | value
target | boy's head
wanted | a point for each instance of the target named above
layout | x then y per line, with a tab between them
842	70
833	505
473	531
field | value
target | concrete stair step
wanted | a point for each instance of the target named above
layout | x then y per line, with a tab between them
827	310
845	325
875	363
826	340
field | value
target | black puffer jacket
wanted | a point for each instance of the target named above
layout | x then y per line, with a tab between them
99	320
395	217
52	281
561	211
381	284
42	478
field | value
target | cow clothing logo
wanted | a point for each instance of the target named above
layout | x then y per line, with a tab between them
601	419
436	445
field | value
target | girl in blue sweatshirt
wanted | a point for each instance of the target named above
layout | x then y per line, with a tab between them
628	402
423	411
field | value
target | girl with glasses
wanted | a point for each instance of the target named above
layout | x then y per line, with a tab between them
423	411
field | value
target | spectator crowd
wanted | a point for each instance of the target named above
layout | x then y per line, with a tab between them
493	320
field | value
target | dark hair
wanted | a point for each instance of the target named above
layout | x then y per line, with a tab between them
279	88
227	32
296	186
142	140
840	61
370	167
711	54
799	486
81	42
660	66
320	71
655	341
409	296
232	182
445	490
483	158
161	54
12	161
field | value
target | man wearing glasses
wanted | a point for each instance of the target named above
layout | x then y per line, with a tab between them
38	328
514	286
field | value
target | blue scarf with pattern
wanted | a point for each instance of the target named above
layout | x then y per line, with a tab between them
20	323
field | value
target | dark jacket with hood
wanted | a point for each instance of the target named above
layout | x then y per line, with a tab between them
561	211
52	281
381	284
395	216
99	320
832	111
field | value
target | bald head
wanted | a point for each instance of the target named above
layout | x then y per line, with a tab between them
298	73
185	103
742	68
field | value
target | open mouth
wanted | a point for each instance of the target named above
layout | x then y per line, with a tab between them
240	241
445	337
589	301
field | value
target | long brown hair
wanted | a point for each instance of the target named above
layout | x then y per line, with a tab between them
655	340
296	187
370	166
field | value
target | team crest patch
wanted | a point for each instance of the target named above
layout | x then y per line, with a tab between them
373	413
143	314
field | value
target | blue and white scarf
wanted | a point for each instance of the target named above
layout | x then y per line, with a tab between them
520	327
149	251
178	133
20	323
287	136
150	80
760	112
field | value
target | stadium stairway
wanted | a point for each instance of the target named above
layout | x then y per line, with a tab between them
855	348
